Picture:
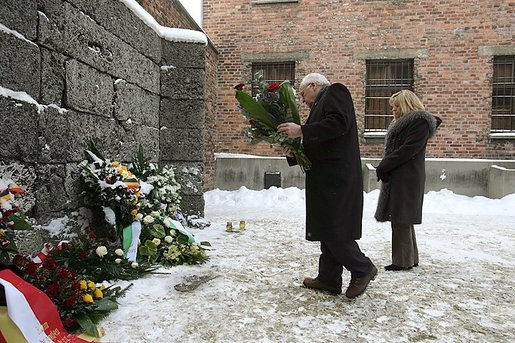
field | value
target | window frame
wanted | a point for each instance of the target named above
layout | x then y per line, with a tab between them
290	65
503	86
390	85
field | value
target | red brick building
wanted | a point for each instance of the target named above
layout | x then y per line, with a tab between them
457	55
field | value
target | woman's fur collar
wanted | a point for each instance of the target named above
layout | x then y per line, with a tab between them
401	123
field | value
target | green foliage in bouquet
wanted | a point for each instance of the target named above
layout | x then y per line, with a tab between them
154	201
165	241
274	104
98	259
110	184
81	303
11	218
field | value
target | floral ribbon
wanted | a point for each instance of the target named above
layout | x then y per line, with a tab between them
130	240
32	312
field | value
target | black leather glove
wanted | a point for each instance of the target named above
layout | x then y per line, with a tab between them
382	175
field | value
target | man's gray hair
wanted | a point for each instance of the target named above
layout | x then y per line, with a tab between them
315	78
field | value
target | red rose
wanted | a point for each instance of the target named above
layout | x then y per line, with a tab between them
273	87
239	86
31	268
52	290
20	261
70	302
10	212
84	254
63	274
50	264
70	323
76	285
92	235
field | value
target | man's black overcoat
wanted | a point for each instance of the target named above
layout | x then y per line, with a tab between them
334	185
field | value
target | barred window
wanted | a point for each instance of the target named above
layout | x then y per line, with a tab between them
384	78
503	94
274	72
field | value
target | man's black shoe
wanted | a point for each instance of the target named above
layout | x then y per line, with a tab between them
315	283
358	285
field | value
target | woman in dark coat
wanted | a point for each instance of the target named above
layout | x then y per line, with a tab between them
334	186
402	172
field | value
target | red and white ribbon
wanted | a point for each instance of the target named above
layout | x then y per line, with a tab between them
33	312
42	255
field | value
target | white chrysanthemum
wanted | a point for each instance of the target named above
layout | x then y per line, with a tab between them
168	239
119	252
156	241
134	265
118	260
167	222
101	251
148	219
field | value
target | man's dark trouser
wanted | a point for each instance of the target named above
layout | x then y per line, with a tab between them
335	256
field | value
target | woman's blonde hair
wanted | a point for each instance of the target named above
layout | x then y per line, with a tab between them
408	101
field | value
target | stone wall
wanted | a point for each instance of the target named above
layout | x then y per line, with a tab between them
452	43
172	14
75	71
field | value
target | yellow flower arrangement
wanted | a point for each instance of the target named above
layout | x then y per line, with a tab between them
98	294
87	298
83	285
91	285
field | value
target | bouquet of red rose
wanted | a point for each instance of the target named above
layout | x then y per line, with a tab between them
274	104
81	303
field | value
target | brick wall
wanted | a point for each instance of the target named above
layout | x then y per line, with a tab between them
452	43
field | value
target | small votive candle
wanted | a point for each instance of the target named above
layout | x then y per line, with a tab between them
228	227
242	225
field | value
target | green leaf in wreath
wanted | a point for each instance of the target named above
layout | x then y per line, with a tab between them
87	325
20	221
105	305
158	231
148	249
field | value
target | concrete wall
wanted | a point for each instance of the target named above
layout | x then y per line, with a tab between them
501	182
75	71
462	176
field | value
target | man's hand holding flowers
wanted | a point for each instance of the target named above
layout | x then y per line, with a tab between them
292	130
273	115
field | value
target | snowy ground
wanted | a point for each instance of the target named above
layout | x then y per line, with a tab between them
250	290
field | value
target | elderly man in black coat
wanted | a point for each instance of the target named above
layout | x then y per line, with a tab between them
334	186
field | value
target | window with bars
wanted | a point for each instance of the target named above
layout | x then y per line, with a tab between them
503	94
273	72
384	78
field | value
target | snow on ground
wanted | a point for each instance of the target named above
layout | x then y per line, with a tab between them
250	290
